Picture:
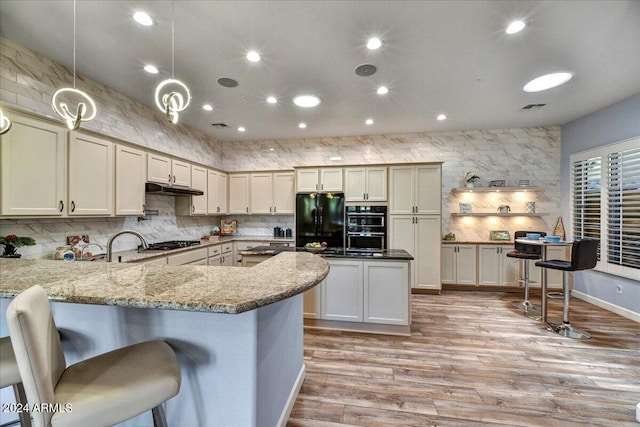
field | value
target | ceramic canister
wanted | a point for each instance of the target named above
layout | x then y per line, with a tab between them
531	207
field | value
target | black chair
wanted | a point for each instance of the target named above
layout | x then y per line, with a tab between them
525	253
584	256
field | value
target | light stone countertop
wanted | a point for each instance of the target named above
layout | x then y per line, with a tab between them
187	287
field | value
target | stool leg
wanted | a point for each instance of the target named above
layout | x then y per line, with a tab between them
159	419
565	329
24	419
530	310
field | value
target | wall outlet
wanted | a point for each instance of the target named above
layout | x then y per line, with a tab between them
619	289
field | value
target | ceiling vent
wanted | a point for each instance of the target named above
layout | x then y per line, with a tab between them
533	106
219	125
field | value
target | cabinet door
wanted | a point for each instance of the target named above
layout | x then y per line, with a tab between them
401	233
156	261
221	186
284	194
427	252
428	189
33	171
342	293
401	191
331	179
212	192
181	172
214	261
159	169
199	182
90	175
239	194
509	267
131	170
386	292
355	184
554	277
311	302
448	264
466	265
227	260
488	265
261	189
376	184
307	180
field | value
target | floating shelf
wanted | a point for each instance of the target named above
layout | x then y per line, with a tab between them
497	214
494	189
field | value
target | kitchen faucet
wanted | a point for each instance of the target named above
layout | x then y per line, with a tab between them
145	245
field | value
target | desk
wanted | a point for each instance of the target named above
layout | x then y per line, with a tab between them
543	284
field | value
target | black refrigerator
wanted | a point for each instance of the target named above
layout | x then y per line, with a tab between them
320	218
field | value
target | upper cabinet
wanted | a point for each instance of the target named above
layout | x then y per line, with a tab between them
239	193
34	169
131	171
319	179
90	175
365	184
164	170
194	205
216	192
272	193
415	189
284	194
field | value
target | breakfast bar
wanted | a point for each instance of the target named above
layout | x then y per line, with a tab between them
237	332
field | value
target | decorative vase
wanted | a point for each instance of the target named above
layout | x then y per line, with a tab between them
10	251
531	207
559	230
470	184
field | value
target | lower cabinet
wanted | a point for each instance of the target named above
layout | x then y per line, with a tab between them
494	268
198	256
458	264
554	277
362	291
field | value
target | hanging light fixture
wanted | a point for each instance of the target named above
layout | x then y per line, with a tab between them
5	123
172	96
66	94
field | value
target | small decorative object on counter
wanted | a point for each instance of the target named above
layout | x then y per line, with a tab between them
531	206
65	253
504	208
288	233
450	236
11	242
559	230
500	235
471	179
215	231
228	226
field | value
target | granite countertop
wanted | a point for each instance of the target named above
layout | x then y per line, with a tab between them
397	254
187	287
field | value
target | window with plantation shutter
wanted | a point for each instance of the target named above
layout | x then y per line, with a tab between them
605	204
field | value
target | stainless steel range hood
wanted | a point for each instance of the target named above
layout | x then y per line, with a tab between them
165	190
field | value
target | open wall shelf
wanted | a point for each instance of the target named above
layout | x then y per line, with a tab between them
498	214
494	189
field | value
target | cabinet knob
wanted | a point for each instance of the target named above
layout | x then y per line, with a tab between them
61	204
193	208
274	209
73	206
169	178
174	179
247	209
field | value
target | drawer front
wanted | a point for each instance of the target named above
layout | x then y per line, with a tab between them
187	257
214	250
227	247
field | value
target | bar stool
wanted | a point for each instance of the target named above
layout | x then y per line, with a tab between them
525	253
584	256
9	375
104	390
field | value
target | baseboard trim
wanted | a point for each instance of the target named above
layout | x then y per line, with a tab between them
286	411
366	328
607	306
426	291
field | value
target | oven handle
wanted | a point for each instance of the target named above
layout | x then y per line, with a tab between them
374	233
364	214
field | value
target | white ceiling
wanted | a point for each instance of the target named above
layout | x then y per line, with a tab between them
449	57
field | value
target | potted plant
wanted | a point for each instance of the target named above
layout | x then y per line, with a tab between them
11	242
471	178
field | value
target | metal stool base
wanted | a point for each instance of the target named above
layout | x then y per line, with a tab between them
566	330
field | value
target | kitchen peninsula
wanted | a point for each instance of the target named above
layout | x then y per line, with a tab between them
237	331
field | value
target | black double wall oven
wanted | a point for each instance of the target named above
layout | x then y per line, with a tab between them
366	228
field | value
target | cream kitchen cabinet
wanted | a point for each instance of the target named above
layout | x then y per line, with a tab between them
131	170
420	236
365	184
239	191
554	277
319	179
386	292
458	264
415	189
34	171
494	268
194	205
164	170
311	300
216	192
196	256
342	295
90	174
272	193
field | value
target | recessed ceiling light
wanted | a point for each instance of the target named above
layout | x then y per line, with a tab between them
253	56
374	43
382	90
207	107
151	69
143	18
442	117
302	125
368	122
241	129
307	101
335	158
516	27
547	82
272	100
272	149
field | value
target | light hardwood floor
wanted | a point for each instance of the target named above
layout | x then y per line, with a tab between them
473	359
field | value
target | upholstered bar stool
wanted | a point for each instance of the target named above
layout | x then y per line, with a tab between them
101	391
9	375
584	256
525	253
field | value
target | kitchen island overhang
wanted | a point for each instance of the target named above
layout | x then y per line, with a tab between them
238	332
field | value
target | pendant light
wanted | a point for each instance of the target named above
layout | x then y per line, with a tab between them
63	95
172	96
5	123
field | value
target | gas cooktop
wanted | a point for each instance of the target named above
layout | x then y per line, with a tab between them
171	244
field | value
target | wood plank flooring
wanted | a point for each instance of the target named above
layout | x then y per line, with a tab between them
474	360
